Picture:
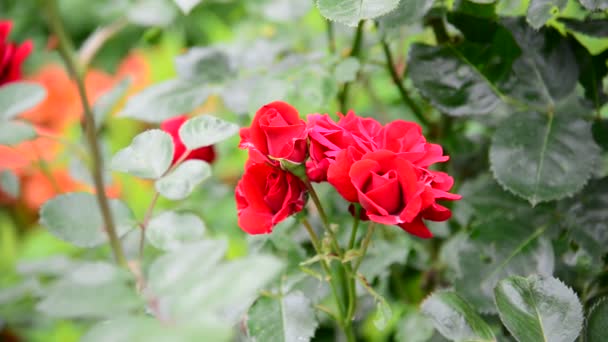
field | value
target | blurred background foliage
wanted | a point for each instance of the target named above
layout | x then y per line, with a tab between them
255	51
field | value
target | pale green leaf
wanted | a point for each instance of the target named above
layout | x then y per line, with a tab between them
187	5
76	218
544	156
285	10
15	132
346	70
455	319
108	101
183	180
204	64
165	100
92	290
414	327
594	5
152	13
206	130
540	11
148	156
383	314
350	12
282	319
539	309
170	230
408	12
17	97
9	183
596	323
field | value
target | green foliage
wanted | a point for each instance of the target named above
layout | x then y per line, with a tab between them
455	319
539	309
149	155
18	97
170	230
76	218
205	130
180	183
15	132
108	101
350	12
283	318
597	322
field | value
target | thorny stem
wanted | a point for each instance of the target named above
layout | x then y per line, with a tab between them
67	53
390	66
354	52
365	245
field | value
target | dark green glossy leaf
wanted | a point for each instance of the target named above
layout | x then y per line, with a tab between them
92	290
498	249
165	100
591	27
15	132
593	70
76	218
539	309
455	319
543	157
148	156
286	318
170	230
596	323
540	11
587	218
450	81
17	97
350	12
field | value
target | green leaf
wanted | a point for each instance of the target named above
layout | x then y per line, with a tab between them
169	231
205	64
591	27
539	309
286	318
95	289
544	156
383	253
587	218
383	314
9	183
152	13
541	11
17	97
594	5
414	327
596	323
151	329
187	5
183	180
165	100
76	218
498	249
108	101
205	130
350	12
407	12
455	319
450	81
15	132
285	10
148	156
347	69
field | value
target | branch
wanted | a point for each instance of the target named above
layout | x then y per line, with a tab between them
354	52
67	53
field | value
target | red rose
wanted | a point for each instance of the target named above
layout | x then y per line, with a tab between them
278	132
328	139
392	190
11	55
406	139
172	126
265	196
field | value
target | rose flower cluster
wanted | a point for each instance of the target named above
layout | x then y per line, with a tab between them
384	169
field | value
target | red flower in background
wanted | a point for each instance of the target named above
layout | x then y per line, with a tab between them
12	55
278	132
172	126
265	196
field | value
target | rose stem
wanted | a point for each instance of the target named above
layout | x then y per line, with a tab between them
66	51
355	51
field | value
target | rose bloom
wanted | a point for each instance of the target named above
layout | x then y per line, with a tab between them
265	196
172	126
277	132
12	55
